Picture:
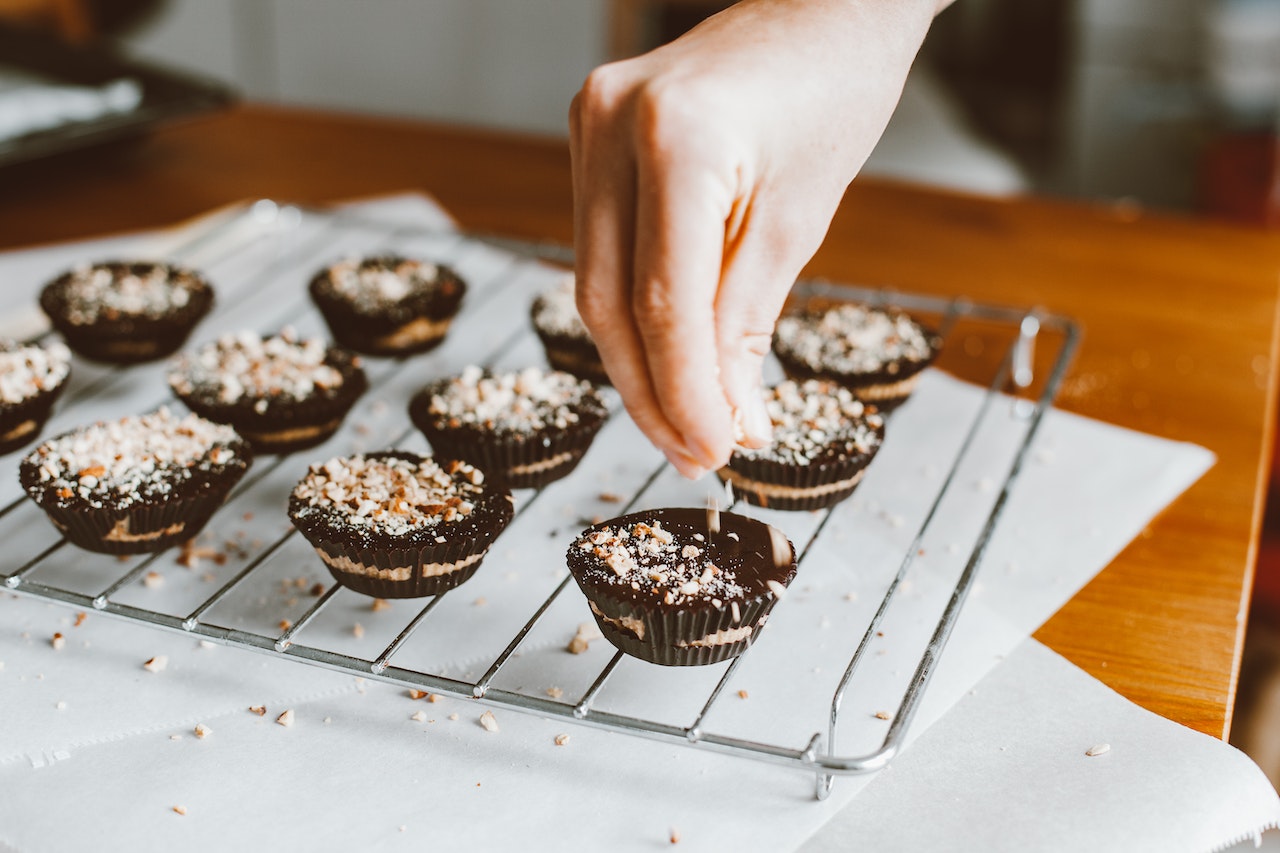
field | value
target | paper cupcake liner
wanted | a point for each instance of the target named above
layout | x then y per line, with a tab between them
34	410
323	412
507	460
667	634
805	478
390	559
145	527
364	333
129	348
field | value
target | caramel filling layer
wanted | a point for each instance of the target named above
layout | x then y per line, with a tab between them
719	638
627	623
888	390
25	428
777	491
120	533
544	464
292	434
416	331
395	573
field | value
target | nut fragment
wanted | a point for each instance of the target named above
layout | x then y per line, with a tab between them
1099	749
555	692
286	719
260	710
675	835
153	580
417	694
182	810
379	604
489	721
58	642
562	739
203	731
80	617
418	716
156	664
742	694
357	630
587	631
883	715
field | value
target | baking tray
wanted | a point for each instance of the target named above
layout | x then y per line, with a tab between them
166	94
250	587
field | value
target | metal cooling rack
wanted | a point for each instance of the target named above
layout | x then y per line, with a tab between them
819	754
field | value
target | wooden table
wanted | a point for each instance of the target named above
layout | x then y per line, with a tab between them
1179	318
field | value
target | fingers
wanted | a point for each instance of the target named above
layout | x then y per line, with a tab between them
604	184
682	203
758	271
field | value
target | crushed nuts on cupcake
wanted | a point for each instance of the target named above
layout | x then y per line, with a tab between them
524	428
876	353
823	440
397	524
682	587
125	313
280	392
387	304
137	484
32	377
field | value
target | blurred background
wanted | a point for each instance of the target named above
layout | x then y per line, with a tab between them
1172	104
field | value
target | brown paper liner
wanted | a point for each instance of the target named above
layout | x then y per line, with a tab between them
35	409
416	586
367	333
664	631
574	355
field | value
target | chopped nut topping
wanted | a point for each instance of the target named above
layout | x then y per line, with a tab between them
524	402
555	692
58	642
1099	749
202	731
28	370
742	694
851	338
587	631
357	630
883	715
182	810
260	710
379	604
562	739
246	366
156	664
286	719
489	722
418	716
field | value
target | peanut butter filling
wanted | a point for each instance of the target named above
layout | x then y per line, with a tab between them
778	491
395	573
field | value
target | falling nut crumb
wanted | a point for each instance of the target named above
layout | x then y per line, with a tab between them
260	710
555	692
80	617
156	664
587	631
489	721
1099	749
379	604
202	731
182	810
883	715
58	642
286	719
742	694
562	739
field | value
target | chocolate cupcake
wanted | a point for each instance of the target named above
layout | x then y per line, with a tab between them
682	587
877	354
388	305
125	313
523	429
280	393
31	378
138	484
823	440
399	525
565	338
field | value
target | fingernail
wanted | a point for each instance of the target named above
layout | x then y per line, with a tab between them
758	426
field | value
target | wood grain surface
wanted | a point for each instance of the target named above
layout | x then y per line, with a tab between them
1179	319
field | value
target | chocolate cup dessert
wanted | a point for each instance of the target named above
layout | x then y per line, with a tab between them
124	313
399	525
524	430
823	440
565	339
876	353
136	485
32	377
388	305
682	587
280	393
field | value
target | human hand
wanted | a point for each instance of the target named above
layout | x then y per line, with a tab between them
705	175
